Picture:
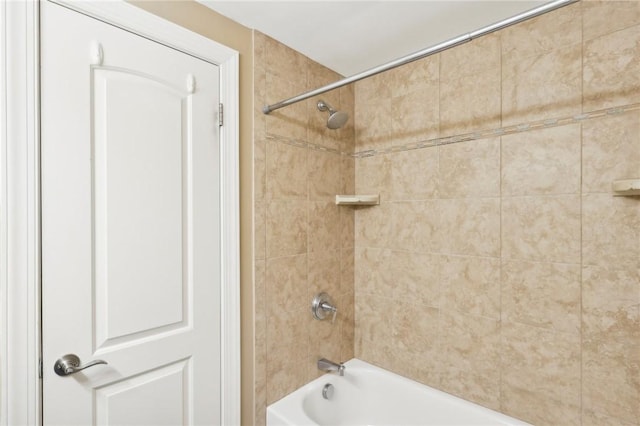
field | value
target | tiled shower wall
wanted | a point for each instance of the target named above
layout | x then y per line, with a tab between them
303	241
502	269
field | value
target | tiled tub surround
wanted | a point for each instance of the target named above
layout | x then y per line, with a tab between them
498	267
303	241
501	269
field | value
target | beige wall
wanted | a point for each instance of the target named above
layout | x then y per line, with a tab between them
208	23
502	269
303	241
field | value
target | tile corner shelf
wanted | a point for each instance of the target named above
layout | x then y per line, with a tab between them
358	200
626	187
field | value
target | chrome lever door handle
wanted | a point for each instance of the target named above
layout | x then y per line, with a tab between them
70	364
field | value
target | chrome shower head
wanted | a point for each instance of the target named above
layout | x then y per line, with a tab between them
336	119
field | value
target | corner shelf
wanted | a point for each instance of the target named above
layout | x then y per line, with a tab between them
626	187
358	200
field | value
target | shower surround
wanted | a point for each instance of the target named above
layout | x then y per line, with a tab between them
499	269
303	241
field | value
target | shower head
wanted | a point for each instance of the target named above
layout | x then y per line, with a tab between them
336	119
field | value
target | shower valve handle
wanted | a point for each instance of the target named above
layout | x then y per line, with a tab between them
321	305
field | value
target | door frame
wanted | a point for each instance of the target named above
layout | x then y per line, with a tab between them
20	280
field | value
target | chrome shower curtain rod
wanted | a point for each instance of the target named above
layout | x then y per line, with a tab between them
456	41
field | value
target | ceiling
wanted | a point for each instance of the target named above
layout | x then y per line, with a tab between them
353	36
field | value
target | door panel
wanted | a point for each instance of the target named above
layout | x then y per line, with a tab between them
159	392
130	226
140	195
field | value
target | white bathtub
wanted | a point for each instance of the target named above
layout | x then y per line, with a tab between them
368	395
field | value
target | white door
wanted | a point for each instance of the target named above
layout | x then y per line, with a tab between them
130	227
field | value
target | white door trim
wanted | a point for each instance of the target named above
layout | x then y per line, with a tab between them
20	191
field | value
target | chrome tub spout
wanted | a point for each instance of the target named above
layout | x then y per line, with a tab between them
326	365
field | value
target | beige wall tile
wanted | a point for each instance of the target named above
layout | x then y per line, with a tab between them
260	314
324	227
543	86
373	176
286	225
415	277
259	101
290	122
347	133
470	169
414	174
417	75
324	175
347	324
260	229
470	354
286	171
347	226
542	162
287	334
324	274
260	343
415	328
540	375
610	151
284	376
483	389
545	295
373	225
373	125
470	226
285	62
347	175
417	366
612	69
347	270
610	230
372	274
469	342
373	316
415	115
470	58
286	283
611	377
611	302
604	17
380	353
471	285
593	418
376	87
541	228
469	104
543	34
324	342
298	228
537	408
259	169
415	226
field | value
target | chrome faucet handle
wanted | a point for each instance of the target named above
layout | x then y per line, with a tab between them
330	308
321	305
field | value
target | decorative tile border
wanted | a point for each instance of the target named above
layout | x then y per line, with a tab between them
477	135
304	144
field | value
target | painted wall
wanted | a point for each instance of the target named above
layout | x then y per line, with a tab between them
208	23
303	241
501	269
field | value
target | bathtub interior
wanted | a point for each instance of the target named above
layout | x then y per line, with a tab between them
368	395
